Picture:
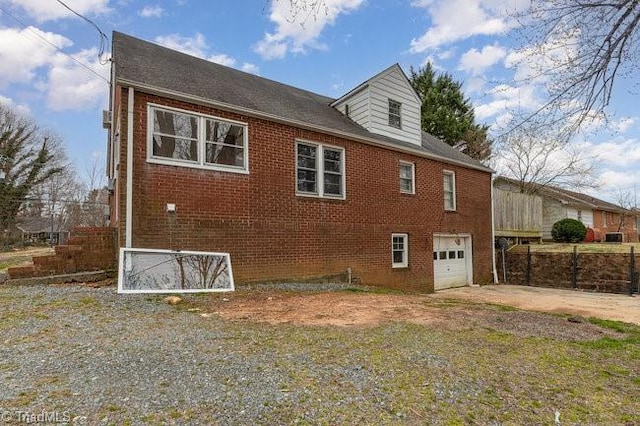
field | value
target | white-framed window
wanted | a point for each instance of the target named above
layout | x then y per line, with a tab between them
399	250
407	177
320	170
179	137
449	190
395	119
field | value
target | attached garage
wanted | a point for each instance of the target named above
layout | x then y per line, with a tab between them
452	261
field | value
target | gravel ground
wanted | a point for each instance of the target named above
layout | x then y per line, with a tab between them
94	357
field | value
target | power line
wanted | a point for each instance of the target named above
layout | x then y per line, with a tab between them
103	36
76	60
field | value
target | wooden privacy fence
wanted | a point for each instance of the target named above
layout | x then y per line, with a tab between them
517	215
600	272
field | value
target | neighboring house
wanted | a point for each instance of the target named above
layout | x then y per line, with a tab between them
41	230
601	216
294	185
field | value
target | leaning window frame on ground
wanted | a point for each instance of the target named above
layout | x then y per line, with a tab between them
173	271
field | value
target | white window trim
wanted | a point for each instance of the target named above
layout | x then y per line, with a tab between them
405	263
413	176
453	185
200	164
320	171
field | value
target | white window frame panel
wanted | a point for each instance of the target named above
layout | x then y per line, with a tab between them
405	251
398	115
201	141
413	176
320	148
453	190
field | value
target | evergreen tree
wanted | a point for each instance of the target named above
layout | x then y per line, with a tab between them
447	114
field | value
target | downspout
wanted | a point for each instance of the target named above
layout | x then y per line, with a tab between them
130	124
493	237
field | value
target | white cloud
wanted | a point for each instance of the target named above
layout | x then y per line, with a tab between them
197	46
618	153
21	109
535	63
23	52
151	12
223	59
250	68
624	124
454	20
612	182
194	46
505	97
300	30
475	62
49	10
72	87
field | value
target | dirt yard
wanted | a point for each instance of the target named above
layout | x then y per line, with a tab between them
600	305
467	306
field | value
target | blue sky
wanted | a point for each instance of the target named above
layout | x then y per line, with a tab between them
334	50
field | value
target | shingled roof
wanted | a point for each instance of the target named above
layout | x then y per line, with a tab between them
569	197
147	66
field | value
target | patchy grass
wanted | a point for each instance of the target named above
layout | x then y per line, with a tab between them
394	372
21	257
582	248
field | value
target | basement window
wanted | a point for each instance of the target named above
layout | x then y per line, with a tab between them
399	250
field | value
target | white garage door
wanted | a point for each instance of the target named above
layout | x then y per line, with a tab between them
451	261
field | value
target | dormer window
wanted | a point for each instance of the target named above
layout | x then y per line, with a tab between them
394	114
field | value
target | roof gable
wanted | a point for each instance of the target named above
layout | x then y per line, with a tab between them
393	69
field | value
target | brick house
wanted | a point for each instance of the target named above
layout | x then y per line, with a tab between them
294	185
599	215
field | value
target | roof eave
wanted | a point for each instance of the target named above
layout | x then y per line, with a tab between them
260	114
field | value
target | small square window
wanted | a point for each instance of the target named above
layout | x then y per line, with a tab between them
442	255
399	250
452	255
460	254
435	255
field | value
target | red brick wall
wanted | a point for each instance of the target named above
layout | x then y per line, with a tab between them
273	234
604	222
88	249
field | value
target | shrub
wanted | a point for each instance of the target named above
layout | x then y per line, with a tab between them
568	231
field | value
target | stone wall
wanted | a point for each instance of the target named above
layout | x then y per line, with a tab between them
600	272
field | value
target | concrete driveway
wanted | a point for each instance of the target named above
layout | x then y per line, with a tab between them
601	305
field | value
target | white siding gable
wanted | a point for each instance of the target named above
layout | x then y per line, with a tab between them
368	105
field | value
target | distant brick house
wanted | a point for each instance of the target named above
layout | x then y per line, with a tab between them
294	185
599	215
